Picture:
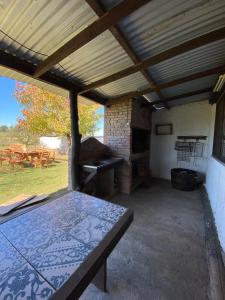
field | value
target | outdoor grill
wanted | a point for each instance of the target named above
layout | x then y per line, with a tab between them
102	165
98	166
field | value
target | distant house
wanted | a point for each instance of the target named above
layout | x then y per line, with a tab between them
53	142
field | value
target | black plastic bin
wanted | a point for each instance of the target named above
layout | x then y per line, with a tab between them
184	179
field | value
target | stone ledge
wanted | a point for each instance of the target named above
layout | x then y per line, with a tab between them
213	252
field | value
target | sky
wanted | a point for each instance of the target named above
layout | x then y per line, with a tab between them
100	124
10	110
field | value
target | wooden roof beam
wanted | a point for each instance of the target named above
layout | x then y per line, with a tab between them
119	36
170	53
111	17
26	68
180	96
172	83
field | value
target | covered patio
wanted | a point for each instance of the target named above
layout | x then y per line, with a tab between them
158	69
162	256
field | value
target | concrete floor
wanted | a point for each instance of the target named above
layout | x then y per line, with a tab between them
162	255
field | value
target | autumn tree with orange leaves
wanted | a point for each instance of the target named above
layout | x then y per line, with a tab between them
45	113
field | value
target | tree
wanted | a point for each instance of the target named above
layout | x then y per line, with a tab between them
4	128
18	134
45	113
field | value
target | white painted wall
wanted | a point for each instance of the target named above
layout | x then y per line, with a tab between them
189	119
215	186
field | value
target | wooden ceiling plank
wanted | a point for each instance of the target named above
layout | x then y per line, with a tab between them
111	17
170	53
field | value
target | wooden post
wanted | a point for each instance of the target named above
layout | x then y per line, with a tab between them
75	142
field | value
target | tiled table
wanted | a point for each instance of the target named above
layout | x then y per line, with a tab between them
55	250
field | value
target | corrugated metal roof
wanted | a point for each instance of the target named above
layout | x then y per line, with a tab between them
163	24
45	25
98	59
194	61
189	86
180	101
22	78
127	84
195	98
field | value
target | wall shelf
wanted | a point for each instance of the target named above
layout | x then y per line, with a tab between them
192	137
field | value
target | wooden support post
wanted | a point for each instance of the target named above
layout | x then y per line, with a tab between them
75	142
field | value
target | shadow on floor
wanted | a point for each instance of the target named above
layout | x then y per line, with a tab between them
162	255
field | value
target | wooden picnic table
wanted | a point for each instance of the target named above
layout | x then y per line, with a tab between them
30	153
39	157
4	156
57	249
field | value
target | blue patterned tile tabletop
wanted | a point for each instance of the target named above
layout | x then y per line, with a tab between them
41	249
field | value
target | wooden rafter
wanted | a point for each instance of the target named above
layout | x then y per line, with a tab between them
172	52
113	16
26	68
119	36
168	84
181	96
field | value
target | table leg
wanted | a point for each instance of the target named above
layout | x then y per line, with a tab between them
100	279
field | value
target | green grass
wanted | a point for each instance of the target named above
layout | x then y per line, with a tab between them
32	180
5	140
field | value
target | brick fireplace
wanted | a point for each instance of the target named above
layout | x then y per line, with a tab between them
127	128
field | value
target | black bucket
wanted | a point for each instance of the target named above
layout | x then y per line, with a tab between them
184	179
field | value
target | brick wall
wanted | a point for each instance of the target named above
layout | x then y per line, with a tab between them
117	131
120	117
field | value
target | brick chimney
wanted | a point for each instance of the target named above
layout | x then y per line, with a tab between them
127	133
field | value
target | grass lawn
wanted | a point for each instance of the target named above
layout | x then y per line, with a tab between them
31	181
